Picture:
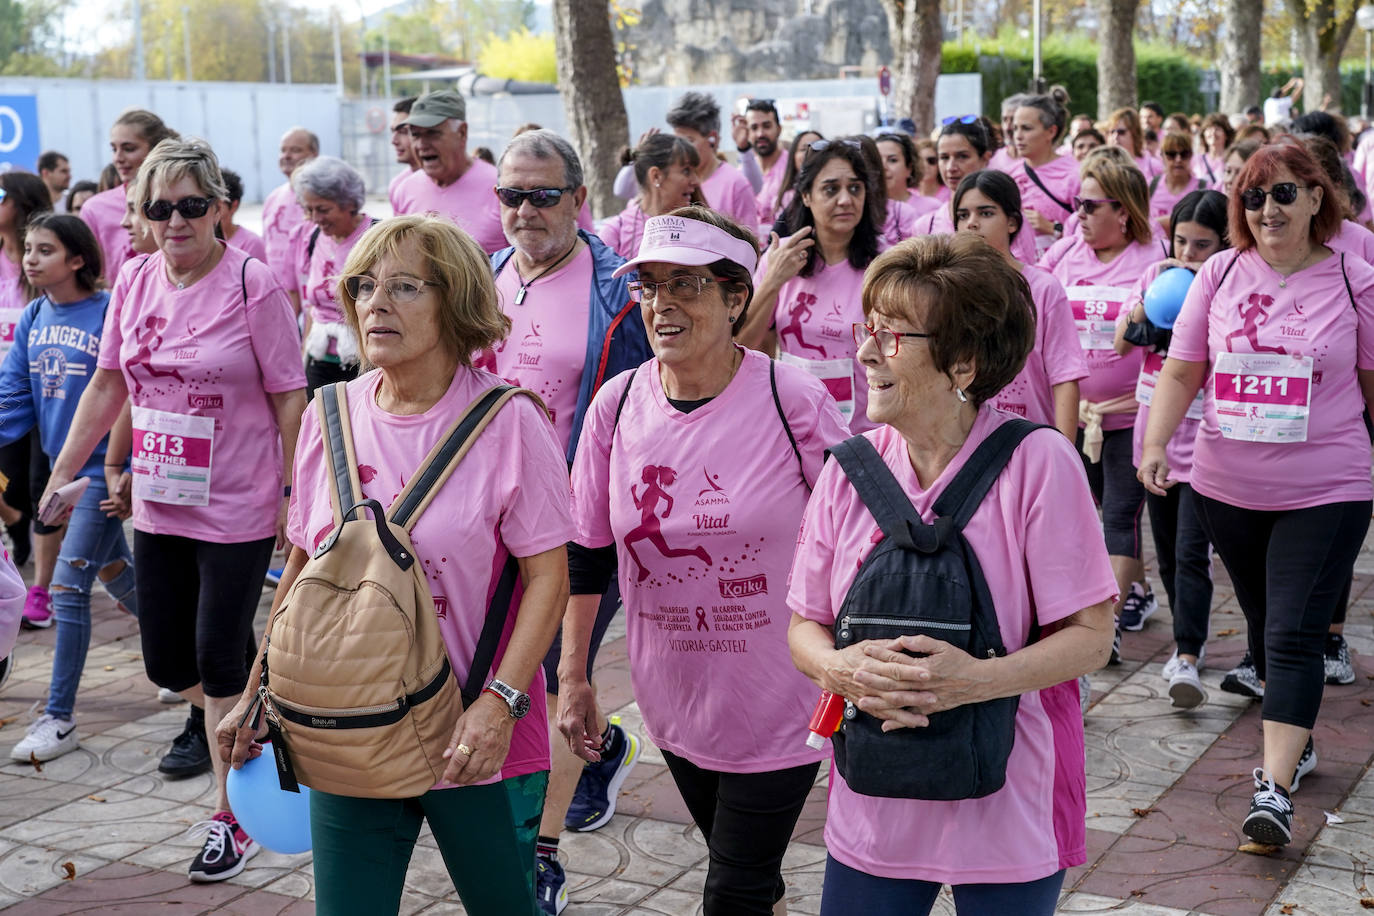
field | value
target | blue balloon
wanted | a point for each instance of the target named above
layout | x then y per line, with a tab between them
1164	298
278	820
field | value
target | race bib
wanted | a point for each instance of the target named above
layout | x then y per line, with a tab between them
9	320
1094	314
1262	397
836	374
1149	379
171	457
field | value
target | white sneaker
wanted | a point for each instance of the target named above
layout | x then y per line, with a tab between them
1171	666
170	697
48	739
1185	689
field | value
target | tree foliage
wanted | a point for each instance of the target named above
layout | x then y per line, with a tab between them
453	29
520	56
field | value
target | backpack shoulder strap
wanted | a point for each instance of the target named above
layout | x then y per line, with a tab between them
624	396
449	451
1346	277
310	246
345	491
786	427
498	609
1154	184
1030	173
966	491
243	281
879	490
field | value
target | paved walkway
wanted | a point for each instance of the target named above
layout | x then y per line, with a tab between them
99	831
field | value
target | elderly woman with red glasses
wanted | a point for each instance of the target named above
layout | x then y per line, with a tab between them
1284	328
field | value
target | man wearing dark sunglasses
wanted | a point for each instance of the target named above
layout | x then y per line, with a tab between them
573	326
449	181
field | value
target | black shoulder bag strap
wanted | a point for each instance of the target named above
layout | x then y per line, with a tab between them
310	247
1030	173
887	502
1154	184
786	427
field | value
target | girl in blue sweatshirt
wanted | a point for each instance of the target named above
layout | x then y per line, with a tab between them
55	346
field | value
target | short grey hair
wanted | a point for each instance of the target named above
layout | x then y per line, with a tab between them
1013	102
333	179
545	144
174	159
695	110
311	138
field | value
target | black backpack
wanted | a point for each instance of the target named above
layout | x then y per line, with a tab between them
925	580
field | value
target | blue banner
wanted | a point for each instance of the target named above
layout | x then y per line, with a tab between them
19	140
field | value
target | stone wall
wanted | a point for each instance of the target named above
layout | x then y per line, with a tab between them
690	42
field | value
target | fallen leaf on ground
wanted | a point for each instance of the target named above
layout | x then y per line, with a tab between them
1229	631
1137	893
1142	812
70	870
37	764
7	720
1258	849
1367	903
95	798
109	667
1364	701
1287	908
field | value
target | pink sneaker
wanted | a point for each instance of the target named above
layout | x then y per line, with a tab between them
38	609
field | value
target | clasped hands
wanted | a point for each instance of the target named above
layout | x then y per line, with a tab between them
883	678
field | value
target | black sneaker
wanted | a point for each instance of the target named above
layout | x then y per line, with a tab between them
1271	813
226	851
6	668
550	886
1244	679
1306	764
1115	658
1339	670
190	753
1138	607
20	542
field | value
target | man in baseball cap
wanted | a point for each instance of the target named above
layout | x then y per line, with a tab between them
449	182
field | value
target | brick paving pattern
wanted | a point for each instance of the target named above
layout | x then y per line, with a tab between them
1167	791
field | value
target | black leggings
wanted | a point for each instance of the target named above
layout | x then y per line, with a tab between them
1289	570
321	372
1117	491
196	603
747	820
1184	556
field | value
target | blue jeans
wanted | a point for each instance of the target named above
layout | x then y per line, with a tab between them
848	890
92	542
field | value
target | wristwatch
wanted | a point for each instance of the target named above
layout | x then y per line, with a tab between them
518	702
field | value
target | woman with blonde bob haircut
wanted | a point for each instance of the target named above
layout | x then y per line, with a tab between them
419	294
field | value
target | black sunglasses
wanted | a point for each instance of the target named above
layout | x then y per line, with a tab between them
159	211
538	197
1284	193
820	146
1178	154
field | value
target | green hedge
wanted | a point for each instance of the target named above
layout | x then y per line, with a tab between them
1352	79
1164	76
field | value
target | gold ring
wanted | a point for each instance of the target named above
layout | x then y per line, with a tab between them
465	750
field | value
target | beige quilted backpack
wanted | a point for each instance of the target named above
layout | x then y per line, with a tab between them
356	685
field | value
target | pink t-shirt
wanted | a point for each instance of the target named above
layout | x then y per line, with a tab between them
922	205
1057	357
729	192
1163	201
1212	170
322	272
772	181
508	497
1002	160
470	202
623	231
1096	293
814	319
1150	164
1179	448
1037	538
940	221
1353	239
12	594
281	215
546	349
1060	175
202	352
1310	315
250	243
901	221
104	212
704	532
395	183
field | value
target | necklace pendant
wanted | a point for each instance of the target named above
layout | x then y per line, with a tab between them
520	296
1283	284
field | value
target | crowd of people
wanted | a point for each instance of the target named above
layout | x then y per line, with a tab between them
976	325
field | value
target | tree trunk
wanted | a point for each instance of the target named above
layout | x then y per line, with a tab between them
1323	35
1116	55
917	32
1240	55
590	87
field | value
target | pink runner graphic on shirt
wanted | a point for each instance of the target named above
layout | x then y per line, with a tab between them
1254	316
149	339
655	479
801	311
